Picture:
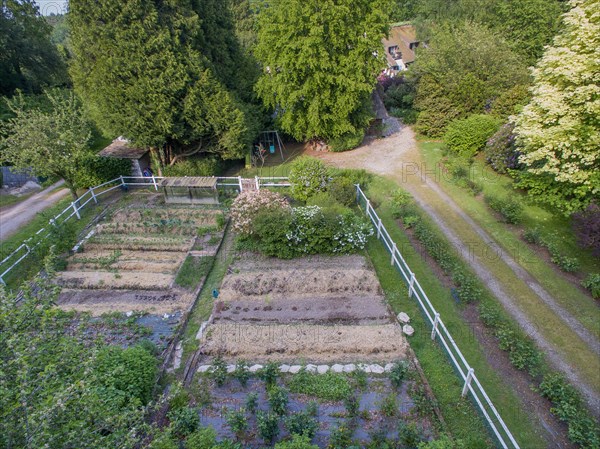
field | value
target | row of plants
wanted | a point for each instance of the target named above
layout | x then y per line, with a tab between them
586	224
523	354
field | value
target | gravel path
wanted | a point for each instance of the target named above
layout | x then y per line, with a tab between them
14	217
397	156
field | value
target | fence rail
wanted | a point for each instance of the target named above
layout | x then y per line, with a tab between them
94	194
439	331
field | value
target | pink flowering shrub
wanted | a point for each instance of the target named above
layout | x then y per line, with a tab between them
249	204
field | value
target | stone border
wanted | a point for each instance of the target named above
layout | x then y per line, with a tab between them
317	369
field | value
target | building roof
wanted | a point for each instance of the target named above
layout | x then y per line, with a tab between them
190	181
120	149
401	36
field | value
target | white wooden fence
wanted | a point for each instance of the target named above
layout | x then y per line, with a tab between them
94	194
439	331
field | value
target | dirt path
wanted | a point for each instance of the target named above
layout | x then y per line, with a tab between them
398	157
14	217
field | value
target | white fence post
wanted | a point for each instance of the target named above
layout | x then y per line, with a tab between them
411	288
2	281
435	325
122	181
76	210
240	182
379	229
257	183
467	382
367	209
357	193
394	249
93	195
154	182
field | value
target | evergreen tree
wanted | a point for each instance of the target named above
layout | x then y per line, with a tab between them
320	64
162	74
559	130
28	60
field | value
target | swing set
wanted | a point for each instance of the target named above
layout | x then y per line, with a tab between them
268	142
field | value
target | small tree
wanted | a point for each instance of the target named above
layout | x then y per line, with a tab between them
51	143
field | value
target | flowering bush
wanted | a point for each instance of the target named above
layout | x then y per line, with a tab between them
501	151
249	204
308	230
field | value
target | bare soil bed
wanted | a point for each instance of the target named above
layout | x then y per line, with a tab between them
99	302
140	242
324	310
126	280
311	343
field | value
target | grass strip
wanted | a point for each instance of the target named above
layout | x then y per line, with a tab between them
192	271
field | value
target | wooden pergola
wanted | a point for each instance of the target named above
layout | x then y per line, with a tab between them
190	190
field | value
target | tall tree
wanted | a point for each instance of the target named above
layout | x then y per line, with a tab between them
320	63
559	130
158	72
28	60
462	71
52	142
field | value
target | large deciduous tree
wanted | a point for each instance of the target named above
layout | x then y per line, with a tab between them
28	60
52	142
321	63
163	73
559	130
461	72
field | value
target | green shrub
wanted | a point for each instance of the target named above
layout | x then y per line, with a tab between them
352	405
164	441
533	236
237	422
218	371
184	421
410	435
178	397
467	136
568	406
307	176
278	400
269	373
329	386
522	352
356	176
398	373
444	442
126	375
297	442
302	423
200	166
96	170
592	283
241	372
346	142
202	439
342	190
252	402
407	116
389	405
268	426
510	101
340	437
325	200
511	210
270	229
467	286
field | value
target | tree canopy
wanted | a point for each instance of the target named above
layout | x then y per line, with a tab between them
28	60
559	130
163	74
320	63
462	71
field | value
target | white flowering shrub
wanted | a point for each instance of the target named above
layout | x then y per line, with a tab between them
308	176
314	230
249	204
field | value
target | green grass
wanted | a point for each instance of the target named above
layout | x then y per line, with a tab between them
460	416
9	200
329	386
204	305
192	271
